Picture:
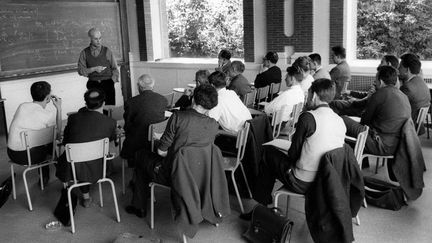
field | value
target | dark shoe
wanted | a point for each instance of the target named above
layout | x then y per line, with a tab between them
86	202
246	216
140	213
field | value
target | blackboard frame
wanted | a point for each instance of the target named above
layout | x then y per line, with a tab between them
71	67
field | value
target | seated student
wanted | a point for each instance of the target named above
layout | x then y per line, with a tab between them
185	101
34	115
140	111
224	62
238	82
85	126
413	84
356	104
230	111
185	128
271	73
315	65
303	66
341	73
318	131
290	97
386	112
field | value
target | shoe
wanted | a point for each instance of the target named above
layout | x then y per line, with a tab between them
246	216
140	213
86	202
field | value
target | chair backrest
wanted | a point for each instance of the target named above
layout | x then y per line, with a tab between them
155	132
297	109
277	119
249	98
35	138
241	142
421	118
170	99
262	93
360	144
274	89
83	152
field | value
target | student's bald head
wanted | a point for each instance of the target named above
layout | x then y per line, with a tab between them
145	82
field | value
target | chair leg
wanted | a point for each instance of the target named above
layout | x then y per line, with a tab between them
115	199
27	190
152	206
276	200
237	192
287	206
123	176
246	181
100	194
364	203
13	181
184	238
72	221
41	178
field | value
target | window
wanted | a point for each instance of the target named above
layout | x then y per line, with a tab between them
394	27
201	28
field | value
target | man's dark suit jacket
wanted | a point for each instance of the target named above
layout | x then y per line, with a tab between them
272	75
340	75
240	85
141	111
85	126
418	95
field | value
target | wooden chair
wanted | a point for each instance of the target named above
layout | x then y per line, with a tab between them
277	120
155	132
31	139
290	126
84	152
170	98
232	163
262	94
249	98
274	89
421	118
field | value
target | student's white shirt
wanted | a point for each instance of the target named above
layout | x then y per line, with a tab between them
289	97
230	112
306	83
29	116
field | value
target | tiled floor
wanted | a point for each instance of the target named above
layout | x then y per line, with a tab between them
95	224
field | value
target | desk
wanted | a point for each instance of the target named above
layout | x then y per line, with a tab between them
282	144
179	90
193	86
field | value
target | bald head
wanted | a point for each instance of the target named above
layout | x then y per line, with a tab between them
145	82
95	37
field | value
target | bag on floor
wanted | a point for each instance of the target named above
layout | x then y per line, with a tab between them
383	194
62	209
5	190
268	225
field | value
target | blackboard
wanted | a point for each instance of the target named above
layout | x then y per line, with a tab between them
46	37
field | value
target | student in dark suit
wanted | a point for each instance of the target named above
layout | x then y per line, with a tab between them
238	83
386	112
85	126
185	128
413	84
272	74
341	74
140	111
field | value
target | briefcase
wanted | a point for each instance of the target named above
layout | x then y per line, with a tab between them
268	225
62	209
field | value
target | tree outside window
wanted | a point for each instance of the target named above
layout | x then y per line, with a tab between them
201	28
394	27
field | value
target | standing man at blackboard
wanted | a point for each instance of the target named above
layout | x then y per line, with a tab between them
98	63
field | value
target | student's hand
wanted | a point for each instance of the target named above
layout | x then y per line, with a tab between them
162	153
98	69
188	92
56	101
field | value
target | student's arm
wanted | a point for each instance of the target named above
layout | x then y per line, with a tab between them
168	136
306	126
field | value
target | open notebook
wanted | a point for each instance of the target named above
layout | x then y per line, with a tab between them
281	144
